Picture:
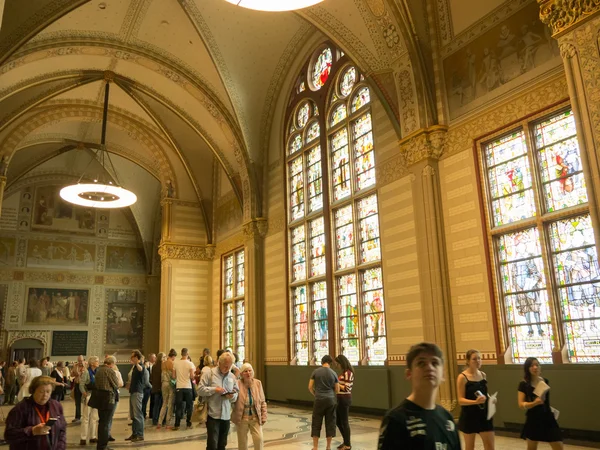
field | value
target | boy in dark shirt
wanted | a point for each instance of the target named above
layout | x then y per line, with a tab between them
418	423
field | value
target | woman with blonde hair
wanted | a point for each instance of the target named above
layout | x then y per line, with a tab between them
250	410
167	388
473	398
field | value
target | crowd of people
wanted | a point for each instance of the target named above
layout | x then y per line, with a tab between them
167	388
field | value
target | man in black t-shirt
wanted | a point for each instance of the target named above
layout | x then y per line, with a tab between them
418	423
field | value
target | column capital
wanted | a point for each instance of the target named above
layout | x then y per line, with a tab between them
426	143
256	228
170	250
563	15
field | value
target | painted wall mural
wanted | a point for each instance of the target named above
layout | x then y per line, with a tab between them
51	212
124	320
64	255
125	259
7	251
505	52
51	306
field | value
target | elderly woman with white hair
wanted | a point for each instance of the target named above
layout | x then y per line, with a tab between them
250	409
219	387
89	415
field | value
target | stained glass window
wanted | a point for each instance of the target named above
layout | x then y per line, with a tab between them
296	189
530	301
322	67
317	247
361	99
341	165
510	181
315	185
349	323
344	238
298	254
300	324
343	214
374	320
560	162
347	82
320	322
233	303
295	144
578	279
303	115
313	132
369	229
364	157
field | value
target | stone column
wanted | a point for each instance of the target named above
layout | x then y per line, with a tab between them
422	152
2	186
254	237
576	26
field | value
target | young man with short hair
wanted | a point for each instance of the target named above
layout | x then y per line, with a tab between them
183	372
418	423
136	394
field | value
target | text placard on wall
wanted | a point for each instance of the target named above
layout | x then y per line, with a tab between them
69	343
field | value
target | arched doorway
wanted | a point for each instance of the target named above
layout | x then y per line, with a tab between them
26	348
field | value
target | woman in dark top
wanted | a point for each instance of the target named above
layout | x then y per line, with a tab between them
61	383
344	400
540	424
473	398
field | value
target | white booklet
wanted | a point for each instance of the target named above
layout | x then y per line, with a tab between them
492	405
555	411
541	389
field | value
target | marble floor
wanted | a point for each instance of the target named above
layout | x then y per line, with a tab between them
287	429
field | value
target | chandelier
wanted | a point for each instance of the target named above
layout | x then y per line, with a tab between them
100	193
274	5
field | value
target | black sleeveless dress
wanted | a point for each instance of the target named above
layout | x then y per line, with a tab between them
473	418
540	424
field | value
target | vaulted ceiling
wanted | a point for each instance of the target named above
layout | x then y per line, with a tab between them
194	82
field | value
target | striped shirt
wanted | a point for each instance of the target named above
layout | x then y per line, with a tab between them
346	381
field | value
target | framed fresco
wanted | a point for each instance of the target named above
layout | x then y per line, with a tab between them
57	307
125	259
64	255
125	318
7	251
52	213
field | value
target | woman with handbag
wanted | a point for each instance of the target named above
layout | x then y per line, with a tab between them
168	392
250	410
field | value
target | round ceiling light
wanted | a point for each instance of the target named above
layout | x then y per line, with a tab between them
274	5
98	195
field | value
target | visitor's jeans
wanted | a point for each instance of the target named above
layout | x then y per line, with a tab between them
324	407
216	433
342	412
184	399
77	401
137	418
156	405
104	424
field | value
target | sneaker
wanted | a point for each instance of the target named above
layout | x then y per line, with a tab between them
137	439
130	438
93	441
75	420
189	426
82	442
111	439
175	428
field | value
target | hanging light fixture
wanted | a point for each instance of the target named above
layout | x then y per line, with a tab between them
100	193
274	5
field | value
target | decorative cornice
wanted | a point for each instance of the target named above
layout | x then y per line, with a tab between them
168	250
562	15
426	143
256	228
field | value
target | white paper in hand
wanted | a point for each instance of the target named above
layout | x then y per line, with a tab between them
541	389
492	405
555	411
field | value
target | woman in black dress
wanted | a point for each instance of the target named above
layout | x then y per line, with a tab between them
473	397
58	393
540	424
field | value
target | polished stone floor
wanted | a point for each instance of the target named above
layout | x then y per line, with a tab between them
286	429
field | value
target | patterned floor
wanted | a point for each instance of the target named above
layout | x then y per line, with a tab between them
287	429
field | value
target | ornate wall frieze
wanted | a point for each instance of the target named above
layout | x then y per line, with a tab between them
168	250
257	228
391	169
41	335
425	144
560	15
567	50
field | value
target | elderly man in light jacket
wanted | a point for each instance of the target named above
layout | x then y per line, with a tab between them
219	387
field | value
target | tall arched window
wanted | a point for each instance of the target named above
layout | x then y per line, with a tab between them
336	282
234	316
542	239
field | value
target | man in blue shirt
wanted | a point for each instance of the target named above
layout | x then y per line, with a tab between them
219	387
